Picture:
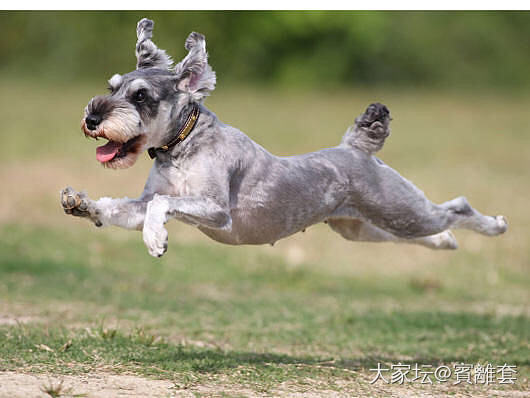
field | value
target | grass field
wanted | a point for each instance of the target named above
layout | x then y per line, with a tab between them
311	315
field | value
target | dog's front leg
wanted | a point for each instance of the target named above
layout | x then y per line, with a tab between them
196	211
126	213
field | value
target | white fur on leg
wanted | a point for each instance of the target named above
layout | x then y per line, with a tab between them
356	230
502	225
442	241
114	212
154	233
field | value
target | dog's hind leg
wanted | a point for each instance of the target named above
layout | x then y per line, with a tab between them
395	205
462	215
357	230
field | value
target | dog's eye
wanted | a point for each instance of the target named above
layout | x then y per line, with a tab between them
140	96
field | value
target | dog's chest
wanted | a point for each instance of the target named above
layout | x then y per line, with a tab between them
174	181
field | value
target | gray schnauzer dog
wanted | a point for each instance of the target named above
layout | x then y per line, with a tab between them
213	176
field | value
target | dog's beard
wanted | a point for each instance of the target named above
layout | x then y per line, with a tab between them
126	141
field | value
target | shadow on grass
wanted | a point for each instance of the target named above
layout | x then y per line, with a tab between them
211	361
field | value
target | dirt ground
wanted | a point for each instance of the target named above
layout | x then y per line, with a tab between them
106	385
93	385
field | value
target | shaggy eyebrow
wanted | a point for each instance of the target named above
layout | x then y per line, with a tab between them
138	84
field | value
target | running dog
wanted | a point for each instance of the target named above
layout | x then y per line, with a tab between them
213	176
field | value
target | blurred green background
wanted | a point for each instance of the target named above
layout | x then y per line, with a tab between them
315	49
457	85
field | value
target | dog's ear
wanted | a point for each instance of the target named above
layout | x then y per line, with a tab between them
194	74
148	55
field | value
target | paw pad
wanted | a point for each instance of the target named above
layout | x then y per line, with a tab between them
77	204
70	199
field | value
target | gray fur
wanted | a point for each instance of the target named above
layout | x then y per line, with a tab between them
195	75
147	53
236	192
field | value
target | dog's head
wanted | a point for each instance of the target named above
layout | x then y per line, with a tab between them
146	106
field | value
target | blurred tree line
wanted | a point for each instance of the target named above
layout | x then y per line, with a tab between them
435	49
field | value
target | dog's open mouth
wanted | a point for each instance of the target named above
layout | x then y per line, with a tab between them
113	150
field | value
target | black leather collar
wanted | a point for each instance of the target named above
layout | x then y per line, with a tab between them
182	133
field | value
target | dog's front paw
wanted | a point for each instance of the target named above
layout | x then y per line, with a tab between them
155	238
78	204
154	233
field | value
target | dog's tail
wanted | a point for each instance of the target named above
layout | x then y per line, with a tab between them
370	129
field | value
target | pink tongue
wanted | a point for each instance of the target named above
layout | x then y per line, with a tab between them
107	152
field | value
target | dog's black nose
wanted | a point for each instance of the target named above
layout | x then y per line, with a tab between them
92	121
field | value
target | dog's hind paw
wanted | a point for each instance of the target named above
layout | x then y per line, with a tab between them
445	241
374	113
370	129
500	226
374	123
492	225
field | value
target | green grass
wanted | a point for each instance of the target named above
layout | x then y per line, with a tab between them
203	313
313	313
